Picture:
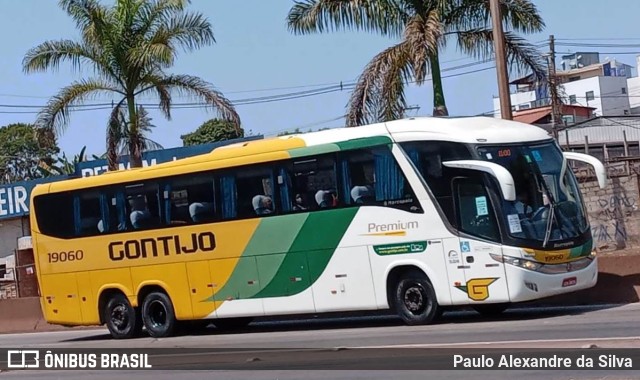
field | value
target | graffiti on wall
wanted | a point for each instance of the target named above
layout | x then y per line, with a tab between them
608	220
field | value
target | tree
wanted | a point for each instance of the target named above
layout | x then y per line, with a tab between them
129	46
423	27
119	134
211	131
22	148
62	165
294	132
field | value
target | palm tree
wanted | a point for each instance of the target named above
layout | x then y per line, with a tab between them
424	28
129	46
118	135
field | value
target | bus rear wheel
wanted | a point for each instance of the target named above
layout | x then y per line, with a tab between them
415	299
158	315
122	319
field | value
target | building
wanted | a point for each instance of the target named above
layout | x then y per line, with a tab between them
633	85
601	85
542	116
608	138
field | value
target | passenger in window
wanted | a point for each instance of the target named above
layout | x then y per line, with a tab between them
140	216
326	199
299	204
201	211
262	205
362	194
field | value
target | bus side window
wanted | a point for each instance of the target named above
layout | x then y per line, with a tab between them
114	213
255	192
142	205
373	177
474	209
427	156
55	214
192	200
88	214
313	183
358	177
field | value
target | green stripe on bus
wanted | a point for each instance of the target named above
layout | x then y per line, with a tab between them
310	252
313	150
273	237
334	147
363	142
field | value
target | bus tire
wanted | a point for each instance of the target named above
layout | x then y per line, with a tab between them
415	300
158	315
122	319
232	323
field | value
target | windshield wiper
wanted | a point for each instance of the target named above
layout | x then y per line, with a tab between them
547	232
552	202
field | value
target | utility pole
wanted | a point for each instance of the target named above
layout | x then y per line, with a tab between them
553	88
501	61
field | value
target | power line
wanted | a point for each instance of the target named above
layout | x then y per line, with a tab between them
240	102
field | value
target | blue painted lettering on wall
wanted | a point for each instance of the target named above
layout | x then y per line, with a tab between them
89	168
14	197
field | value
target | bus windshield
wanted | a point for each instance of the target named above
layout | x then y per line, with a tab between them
548	205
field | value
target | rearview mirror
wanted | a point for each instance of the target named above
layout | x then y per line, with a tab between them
502	175
598	167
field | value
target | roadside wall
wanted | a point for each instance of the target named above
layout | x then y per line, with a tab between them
614	213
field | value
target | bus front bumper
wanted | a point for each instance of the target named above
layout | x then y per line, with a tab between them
528	285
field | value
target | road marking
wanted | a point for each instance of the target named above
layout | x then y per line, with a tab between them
426	345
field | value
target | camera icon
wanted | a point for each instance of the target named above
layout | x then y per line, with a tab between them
23	359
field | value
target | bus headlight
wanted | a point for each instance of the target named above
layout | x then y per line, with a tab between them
517	261
571	266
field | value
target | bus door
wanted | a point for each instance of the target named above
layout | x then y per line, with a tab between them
479	234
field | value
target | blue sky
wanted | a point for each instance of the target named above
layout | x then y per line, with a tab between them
255	51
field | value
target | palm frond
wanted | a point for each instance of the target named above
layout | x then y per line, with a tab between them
522	56
55	115
49	55
421	38
386	17
196	88
517	15
379	91
187	31
92	18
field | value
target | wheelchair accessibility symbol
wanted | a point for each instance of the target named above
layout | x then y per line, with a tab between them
464	246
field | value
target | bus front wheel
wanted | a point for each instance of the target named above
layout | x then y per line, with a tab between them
158	315
415	300
122	320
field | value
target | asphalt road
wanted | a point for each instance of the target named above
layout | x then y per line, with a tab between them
363	347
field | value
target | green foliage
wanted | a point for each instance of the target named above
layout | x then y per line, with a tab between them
22	149
129	45
422	29
211	131
62	165
294	132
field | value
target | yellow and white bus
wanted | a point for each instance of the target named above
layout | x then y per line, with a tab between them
415	215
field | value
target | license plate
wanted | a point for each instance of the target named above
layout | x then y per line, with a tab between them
569	281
